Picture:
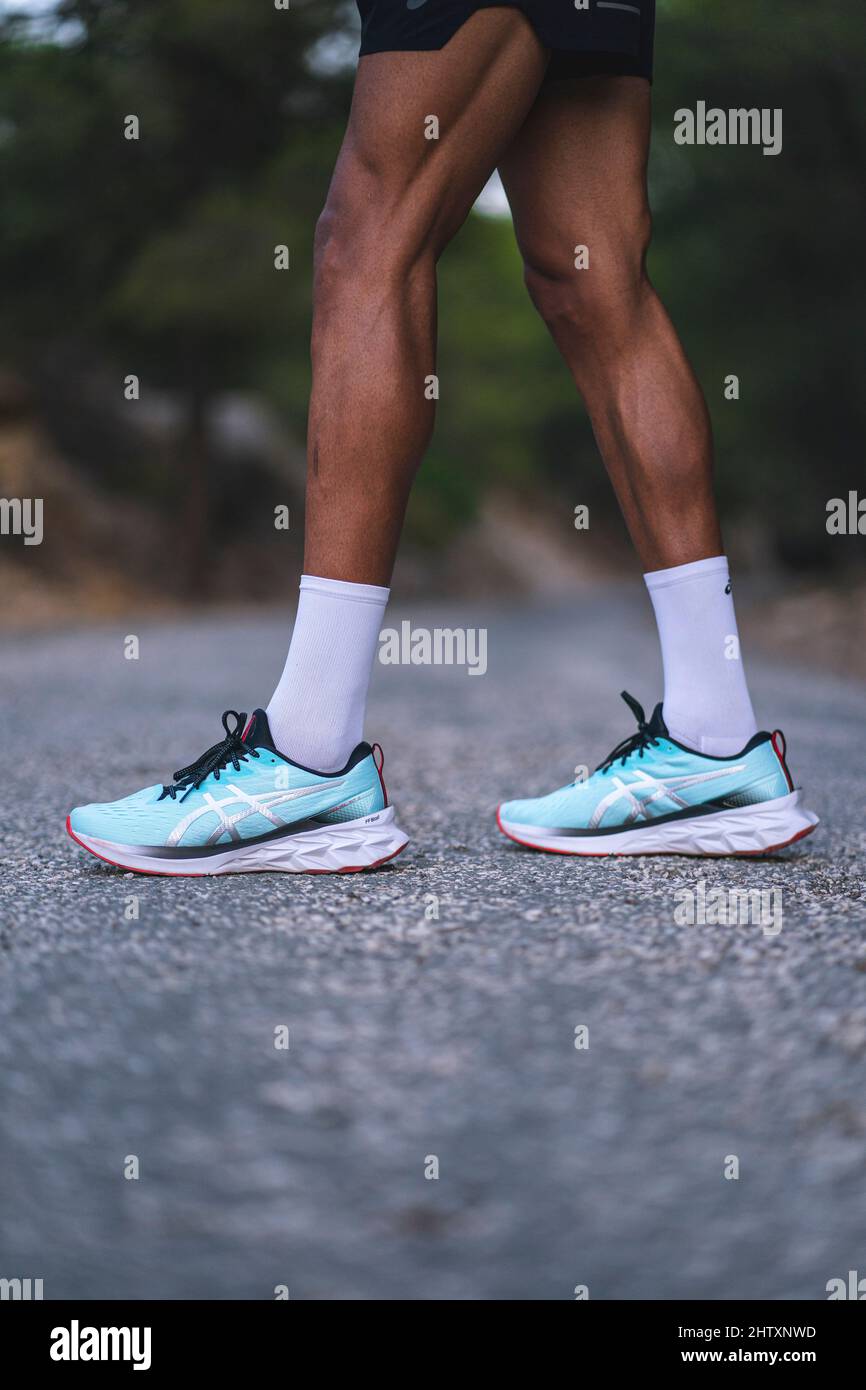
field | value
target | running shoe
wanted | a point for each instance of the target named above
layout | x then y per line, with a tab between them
652	795
243	807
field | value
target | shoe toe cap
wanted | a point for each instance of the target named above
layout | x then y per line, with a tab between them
519	812
129	821
93	819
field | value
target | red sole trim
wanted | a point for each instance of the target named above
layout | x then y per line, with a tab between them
163	873
645	854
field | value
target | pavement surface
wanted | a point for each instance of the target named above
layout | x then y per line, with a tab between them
431	1006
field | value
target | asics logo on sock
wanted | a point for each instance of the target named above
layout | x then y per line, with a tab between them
415	4
646	791
264	804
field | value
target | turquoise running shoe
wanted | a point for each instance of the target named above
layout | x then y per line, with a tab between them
245	808
652	795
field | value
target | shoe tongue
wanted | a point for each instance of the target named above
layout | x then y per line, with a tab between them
258	731
657	726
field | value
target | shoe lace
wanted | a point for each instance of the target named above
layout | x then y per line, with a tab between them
232	750
635	743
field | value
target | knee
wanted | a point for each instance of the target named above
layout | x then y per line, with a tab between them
591	286
337	253
369	242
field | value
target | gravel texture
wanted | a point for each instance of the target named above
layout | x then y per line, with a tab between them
431	1006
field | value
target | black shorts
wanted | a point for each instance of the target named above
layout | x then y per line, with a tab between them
609	36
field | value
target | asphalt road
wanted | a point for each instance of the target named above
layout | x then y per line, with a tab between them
412	1035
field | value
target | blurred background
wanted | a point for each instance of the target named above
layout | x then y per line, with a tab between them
155	258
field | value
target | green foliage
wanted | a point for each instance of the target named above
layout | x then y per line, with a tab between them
161	250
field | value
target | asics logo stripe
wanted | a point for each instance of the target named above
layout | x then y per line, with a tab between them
263	804
657	789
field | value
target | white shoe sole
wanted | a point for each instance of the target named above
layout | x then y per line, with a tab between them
758	829
344	848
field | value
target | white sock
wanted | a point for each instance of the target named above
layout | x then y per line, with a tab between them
706	704
317	711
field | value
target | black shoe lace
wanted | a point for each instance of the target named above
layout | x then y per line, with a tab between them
635	743
232	750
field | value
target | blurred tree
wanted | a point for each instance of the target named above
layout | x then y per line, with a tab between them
157	255
758	256
160	250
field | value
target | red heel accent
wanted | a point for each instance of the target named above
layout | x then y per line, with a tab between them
780	748
380	763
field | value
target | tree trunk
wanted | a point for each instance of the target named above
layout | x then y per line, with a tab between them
195	461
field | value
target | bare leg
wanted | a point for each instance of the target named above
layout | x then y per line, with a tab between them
396	199
576	175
